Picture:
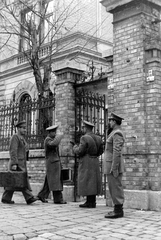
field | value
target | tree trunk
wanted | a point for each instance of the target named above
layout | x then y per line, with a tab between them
37	75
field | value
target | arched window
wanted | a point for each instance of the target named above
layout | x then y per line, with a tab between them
25	110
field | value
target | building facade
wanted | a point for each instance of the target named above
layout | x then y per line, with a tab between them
119	59
73	39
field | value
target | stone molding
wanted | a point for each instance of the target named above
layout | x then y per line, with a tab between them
25	87
139	199
113	4
32	154
67	75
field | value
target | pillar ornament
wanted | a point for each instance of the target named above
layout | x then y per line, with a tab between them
113	4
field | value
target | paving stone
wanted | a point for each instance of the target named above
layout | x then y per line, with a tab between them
31	235
57	238
6	237
46	235
19	237
37	238
53	222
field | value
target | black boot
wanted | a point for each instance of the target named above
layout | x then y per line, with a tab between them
42	199
90	203
87	205
117	213
91	199
84	205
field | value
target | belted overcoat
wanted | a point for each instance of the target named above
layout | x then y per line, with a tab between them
89	177
113	152
53	164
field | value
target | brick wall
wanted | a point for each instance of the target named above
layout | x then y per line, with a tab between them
36	170
65	112
136	50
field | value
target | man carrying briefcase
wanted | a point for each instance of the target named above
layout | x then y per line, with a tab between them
18	155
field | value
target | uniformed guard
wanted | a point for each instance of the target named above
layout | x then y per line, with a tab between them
114	165
89	178
53	180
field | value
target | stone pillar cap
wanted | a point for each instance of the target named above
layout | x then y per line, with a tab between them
112	4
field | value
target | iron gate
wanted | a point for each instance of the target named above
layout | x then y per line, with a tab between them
91	107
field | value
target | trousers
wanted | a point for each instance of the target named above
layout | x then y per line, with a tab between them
116	189
91	199
45	191
8	194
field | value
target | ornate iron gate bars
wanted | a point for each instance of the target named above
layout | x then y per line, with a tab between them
90	106
38	114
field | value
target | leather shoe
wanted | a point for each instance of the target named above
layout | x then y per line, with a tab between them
42	199
114	214
87	205
61	202
8	202
31	200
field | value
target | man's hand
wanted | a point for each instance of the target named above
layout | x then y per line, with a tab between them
115	173
14	167
72	143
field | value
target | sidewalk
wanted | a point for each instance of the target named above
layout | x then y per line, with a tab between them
48	221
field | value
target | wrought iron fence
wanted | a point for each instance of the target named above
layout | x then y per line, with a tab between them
39	114
90	106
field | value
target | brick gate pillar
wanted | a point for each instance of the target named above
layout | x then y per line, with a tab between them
137	87
65	110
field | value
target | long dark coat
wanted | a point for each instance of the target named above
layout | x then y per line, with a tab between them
89	177
53	164
18	152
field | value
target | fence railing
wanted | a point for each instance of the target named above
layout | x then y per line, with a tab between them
90	106
39	114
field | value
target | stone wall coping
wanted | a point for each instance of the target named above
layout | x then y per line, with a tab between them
32	154
139	199
112	4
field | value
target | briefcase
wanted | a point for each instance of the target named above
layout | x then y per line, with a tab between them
13	179
66	174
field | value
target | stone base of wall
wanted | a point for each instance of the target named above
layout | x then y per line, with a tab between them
139	199
68	191
134	199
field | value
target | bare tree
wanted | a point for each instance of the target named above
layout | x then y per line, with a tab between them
34	29
29	25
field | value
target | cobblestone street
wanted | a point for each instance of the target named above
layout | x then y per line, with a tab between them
48	221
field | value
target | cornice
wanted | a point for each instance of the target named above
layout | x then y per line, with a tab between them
111	5
67	54
77	35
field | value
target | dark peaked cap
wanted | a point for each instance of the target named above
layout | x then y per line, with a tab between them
115	117
21	123
53	127
88	123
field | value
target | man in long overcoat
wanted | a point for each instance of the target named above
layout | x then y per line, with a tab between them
89	177
18	150
53	180
114	165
